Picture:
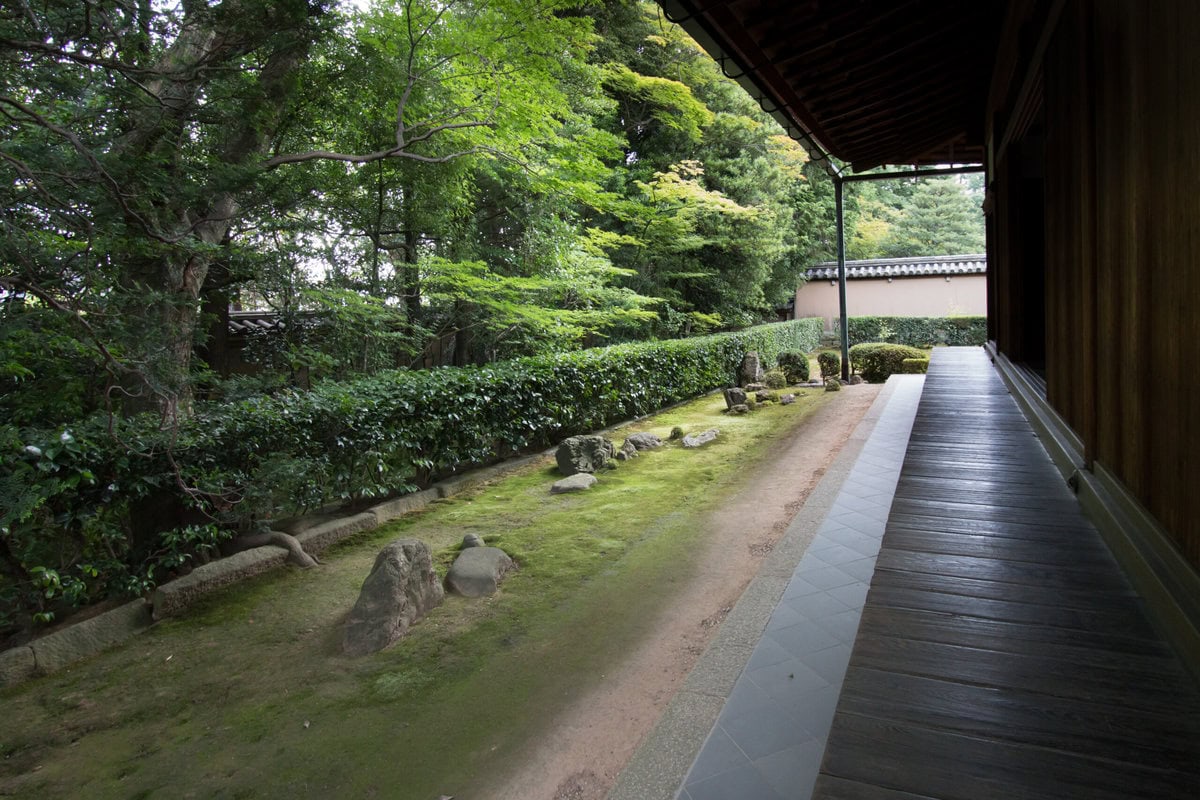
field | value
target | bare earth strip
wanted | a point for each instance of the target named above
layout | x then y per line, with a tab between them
580	754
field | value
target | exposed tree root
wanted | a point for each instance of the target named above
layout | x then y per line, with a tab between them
296	554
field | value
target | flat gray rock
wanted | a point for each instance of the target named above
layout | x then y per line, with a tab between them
477	572
401	589
698	439
579	482
644	441
472	540
787	399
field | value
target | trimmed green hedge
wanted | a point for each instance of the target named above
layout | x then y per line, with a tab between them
91	514
914	366
917	331
878	361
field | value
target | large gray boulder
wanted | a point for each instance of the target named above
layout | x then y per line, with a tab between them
644	441
698	439
584	454
735	396
477	572
401	589
751	370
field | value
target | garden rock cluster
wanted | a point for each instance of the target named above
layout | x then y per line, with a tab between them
401	589
478	571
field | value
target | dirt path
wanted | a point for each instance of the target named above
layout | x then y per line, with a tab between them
580	754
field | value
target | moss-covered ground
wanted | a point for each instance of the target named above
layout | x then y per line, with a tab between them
248	695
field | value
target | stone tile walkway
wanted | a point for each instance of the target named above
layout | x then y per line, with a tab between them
769	738
751	721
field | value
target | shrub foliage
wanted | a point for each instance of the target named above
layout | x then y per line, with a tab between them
794	366
114	506
918	331
830	364
877	361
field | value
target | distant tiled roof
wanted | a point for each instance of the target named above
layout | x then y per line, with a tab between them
249	321
902	267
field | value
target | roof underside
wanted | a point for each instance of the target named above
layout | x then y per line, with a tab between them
870	81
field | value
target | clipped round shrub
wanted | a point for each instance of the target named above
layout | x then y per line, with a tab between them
830	364
775	379
794	366
878	361
833	385
676	433
914	366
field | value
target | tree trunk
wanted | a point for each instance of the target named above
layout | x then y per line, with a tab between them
165	332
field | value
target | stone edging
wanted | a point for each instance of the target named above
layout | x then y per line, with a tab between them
64	647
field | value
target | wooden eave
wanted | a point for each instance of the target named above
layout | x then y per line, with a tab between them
871	82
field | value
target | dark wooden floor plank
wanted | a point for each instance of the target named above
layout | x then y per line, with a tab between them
1030	637
950	766
962	597
1155	692
993	569
1002	653
832	788
1111	732
1065	554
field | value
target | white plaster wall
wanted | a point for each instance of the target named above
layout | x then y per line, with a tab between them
933	296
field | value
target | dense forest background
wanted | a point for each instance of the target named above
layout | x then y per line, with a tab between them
406	183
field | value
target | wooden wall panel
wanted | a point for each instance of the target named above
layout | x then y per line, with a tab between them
1123	246
1070	232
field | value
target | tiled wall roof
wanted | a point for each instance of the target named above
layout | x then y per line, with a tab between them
901	267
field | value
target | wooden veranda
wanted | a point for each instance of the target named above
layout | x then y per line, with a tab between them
1002	652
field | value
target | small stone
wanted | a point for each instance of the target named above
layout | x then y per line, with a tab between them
740	408
855	380
755	387
787	399
578	482
472	540
627	451
698	439
734	397
762	396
